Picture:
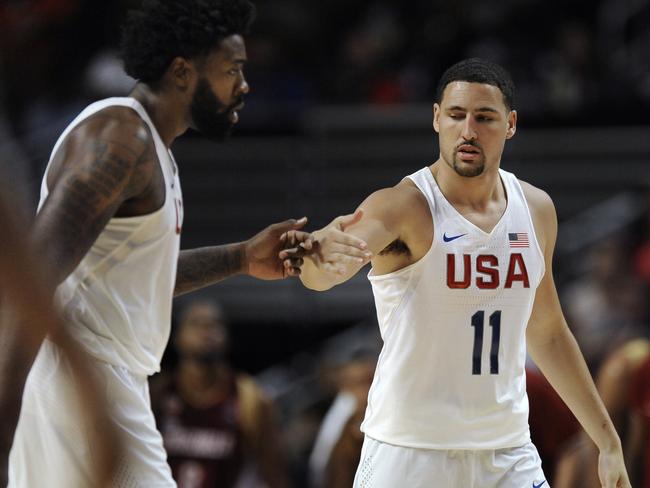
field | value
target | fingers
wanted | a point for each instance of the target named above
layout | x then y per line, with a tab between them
292	266
288	225
305	239
348	251
350	219
292	253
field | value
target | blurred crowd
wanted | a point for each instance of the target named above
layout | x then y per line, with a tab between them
577	62
570	59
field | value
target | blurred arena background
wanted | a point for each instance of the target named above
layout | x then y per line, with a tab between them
340	105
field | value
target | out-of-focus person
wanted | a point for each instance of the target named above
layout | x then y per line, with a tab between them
606	307
337	449
218	427
552	425
639	441
26	316
618	383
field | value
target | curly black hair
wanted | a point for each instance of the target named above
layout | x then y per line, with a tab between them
477	70
161	30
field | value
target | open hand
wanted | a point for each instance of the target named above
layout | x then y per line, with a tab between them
335	251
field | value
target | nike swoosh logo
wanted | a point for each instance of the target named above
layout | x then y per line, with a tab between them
451	238
537	486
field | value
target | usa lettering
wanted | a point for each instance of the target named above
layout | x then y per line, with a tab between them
484	271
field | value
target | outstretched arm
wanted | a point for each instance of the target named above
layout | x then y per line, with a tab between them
375	224
554	349
258	257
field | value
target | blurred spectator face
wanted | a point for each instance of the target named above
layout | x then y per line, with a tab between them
606	259
202	334
473	124
356	378
220	89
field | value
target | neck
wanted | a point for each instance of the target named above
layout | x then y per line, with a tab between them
475	191
165	110
197	377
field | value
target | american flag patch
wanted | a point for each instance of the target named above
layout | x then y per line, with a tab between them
519	239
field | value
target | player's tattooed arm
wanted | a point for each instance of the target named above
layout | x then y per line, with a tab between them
205	266
102	164
272	254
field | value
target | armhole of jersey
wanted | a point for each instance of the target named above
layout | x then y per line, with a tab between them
517	186
85	114
419	178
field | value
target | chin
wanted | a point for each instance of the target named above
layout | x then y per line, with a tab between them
463	169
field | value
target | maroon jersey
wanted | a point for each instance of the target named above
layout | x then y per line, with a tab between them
204	446
640	402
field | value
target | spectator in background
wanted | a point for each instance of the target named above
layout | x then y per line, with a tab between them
607	306
335	456
639	443
218	428
620	383
552	425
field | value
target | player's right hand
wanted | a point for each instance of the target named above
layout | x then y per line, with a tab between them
611	469
337	252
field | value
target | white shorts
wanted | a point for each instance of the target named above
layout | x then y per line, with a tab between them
51	448
388	466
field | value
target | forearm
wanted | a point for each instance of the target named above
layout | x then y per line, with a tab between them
562	363
205	266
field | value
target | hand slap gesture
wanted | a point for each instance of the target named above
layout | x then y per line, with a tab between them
335	251
262	252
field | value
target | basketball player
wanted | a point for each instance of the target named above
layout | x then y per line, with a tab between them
109	225
217	425
463	282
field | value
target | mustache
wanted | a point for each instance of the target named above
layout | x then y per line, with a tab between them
469	143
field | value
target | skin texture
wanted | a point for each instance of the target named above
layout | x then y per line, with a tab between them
107	167
472	117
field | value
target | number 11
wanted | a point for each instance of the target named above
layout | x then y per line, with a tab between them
478	320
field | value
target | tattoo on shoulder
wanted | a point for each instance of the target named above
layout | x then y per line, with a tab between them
95	187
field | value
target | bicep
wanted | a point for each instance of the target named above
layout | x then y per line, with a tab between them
547	318
95	178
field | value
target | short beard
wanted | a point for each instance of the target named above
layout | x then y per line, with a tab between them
468	172
209	116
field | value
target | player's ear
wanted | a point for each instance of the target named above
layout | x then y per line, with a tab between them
436	117
182	73
512	124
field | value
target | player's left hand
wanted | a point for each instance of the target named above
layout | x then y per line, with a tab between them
262	252
611	469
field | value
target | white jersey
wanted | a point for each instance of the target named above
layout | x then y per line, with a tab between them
451	371
117	302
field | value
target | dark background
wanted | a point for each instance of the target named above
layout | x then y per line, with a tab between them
340	105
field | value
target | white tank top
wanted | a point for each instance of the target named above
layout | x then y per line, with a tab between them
451	371
117	302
